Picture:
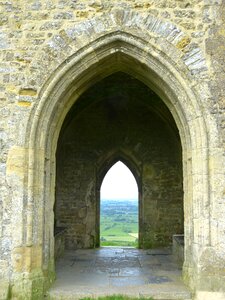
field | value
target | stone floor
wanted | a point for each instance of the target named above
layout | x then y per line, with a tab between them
109	270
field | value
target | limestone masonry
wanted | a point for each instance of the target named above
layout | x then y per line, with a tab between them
84	84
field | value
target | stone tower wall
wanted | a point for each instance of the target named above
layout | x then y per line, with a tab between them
48	49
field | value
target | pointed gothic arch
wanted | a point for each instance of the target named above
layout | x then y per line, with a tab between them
129	173
152	72
105	165
105	55
102	169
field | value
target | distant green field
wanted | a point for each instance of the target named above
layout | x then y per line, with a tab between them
119	223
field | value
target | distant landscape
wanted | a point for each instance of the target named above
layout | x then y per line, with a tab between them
119	223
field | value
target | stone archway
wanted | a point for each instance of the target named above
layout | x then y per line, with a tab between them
119	207
105	165
113	52
135	168
119	118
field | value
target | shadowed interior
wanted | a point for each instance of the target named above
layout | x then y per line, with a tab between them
119	118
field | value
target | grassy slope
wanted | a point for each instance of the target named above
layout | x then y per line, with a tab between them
118	220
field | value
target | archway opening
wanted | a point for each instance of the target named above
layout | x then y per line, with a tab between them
119	213
170	80
119	117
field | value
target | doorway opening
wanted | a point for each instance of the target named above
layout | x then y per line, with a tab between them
153	140
118	119
119	225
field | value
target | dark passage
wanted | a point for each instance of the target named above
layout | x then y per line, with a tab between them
119	118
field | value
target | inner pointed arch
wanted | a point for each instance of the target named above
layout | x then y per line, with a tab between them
119	183
119	211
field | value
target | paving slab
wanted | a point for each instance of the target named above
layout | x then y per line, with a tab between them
118	270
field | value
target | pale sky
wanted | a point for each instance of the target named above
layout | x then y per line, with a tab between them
119	183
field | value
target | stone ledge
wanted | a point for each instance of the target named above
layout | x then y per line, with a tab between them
59	235
178	248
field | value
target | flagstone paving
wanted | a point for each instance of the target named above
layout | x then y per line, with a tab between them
113	270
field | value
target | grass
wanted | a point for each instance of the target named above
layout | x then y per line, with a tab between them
118	297
120	243
117	237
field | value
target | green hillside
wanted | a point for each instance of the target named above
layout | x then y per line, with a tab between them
119	223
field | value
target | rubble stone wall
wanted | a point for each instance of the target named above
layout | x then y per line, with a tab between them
51	52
